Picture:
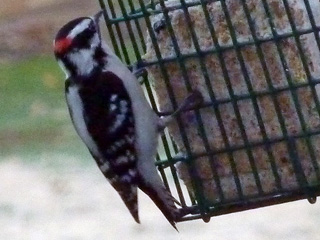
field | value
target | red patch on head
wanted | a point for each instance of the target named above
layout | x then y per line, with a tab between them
61	46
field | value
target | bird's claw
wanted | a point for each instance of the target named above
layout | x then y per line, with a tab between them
139	70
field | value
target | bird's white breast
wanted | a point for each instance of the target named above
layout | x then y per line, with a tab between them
76	110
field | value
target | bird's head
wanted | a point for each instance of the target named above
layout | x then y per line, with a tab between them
77	45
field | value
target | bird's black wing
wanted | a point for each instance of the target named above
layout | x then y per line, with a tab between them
108	116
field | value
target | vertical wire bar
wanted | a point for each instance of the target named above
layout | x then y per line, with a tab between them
163	174
286	71
313	23
191	165
271	89
208	84
311	84
130	31
176	151
173	170
236	109
297	166
171	94
138	56
213	99
137	24
110	29
119	33
317	38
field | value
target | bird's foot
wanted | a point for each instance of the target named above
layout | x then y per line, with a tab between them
191	102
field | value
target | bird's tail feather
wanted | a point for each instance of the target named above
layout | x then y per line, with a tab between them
164	201
129	196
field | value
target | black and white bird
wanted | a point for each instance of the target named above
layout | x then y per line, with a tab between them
111	115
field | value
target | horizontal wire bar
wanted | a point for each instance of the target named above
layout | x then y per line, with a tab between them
229	47
140	13
249	96
252	144
257	202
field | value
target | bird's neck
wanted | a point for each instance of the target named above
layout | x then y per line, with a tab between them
84	62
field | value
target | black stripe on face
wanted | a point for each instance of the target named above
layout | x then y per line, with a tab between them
68	65
83	39
99	56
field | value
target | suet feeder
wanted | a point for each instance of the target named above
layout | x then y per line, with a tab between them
255	140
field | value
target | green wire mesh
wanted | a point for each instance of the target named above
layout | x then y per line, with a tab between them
127	23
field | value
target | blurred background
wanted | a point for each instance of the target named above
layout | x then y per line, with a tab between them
50	187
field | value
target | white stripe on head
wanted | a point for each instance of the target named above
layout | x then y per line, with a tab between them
79	28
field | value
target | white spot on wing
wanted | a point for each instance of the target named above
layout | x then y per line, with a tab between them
112	180
132	172
118	144
126	178
130	156
105	167
113	148
123	106
129	139
113	97
121	160
119	120
113	107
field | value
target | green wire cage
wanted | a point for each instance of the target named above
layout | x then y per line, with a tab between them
255	140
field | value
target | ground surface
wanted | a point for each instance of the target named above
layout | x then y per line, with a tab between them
73	202
50	188
28	27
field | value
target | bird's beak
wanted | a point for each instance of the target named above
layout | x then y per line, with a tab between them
97	17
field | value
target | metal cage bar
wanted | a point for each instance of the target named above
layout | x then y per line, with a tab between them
127	22
290	143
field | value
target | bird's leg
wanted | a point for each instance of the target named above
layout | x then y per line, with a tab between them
176	202
191	102
138	69
185	211
159	25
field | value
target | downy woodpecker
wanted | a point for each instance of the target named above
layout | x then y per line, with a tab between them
111	115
